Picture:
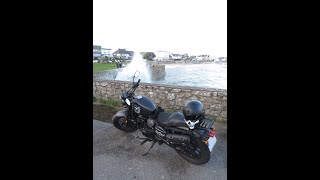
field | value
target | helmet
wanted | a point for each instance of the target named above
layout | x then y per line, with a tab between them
193	109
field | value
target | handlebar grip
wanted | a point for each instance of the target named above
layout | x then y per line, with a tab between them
137	83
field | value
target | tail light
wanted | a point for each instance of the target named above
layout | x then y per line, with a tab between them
212	133
208	135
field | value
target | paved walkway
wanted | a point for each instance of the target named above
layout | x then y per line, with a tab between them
118	155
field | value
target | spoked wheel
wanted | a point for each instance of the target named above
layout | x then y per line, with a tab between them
196	152
123	125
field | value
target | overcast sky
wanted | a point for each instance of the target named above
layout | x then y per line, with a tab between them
179	26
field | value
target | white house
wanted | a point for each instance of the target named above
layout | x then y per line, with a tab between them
96	51
203	57
223	59
162	56
122	53
176	57
106	52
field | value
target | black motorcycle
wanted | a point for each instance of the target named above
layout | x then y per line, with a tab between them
190	133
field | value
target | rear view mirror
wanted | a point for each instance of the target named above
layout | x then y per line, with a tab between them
136	74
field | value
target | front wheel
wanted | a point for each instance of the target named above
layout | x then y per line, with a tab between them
196	152
120	123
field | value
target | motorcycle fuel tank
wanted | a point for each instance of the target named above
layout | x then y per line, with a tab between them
144	106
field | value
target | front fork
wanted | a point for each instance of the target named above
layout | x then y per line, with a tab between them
126	117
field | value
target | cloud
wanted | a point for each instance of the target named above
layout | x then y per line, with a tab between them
193	26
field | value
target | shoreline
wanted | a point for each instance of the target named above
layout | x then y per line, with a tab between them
185	62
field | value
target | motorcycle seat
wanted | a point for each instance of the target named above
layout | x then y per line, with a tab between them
173	119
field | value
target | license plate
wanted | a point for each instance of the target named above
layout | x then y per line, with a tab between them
212	142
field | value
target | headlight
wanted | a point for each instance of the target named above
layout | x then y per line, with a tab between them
128	102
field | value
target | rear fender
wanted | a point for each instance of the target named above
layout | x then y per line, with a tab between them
204	128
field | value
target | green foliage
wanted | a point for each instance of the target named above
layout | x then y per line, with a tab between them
109	102
103	66
149	56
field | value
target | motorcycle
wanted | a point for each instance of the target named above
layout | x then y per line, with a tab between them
193	140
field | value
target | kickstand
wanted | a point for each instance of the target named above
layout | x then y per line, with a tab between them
144	140
149	148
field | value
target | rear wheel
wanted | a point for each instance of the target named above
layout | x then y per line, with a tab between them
123	125
196	152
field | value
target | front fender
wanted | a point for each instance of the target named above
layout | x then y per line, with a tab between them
121	113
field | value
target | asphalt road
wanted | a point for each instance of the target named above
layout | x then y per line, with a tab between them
118	155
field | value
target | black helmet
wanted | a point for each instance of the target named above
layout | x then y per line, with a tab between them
193	109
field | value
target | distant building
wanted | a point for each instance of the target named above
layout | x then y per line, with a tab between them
193	58
131	54
163	56
176	57
123	53
105	52
203	57
96	51
184	56
223	59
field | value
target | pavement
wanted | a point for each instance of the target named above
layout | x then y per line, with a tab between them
118	155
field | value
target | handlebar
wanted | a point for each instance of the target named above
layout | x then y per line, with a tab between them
134	86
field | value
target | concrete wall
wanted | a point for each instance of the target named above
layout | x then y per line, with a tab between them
182	62
167	96
158	71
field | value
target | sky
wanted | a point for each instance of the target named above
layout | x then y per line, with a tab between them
179	26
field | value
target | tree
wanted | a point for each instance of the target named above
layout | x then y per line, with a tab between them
149	56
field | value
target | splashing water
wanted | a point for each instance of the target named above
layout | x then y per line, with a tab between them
137	63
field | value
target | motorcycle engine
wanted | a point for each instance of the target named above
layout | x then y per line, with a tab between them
150	123
160	131
137	109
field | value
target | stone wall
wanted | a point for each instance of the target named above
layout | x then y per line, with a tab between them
167	96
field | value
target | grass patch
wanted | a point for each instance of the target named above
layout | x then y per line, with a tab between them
104	66
105	109
104	112
109	102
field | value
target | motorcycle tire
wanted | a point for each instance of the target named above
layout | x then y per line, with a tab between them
119	123
204	155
